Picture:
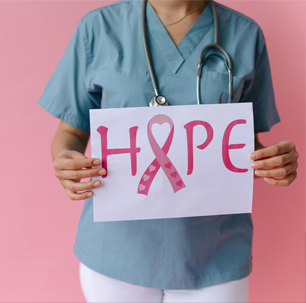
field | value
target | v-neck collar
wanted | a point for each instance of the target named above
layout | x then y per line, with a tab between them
176	55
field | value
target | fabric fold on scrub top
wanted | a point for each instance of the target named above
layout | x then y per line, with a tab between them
104	66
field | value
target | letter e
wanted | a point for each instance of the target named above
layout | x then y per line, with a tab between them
226	147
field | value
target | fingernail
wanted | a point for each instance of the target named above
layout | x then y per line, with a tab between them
267	179
102	172
96	184
253	156
89	194
96	162
258	172
254	165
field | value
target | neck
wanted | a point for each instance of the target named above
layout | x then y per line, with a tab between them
180	7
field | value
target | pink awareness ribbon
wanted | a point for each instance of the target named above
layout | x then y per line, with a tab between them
161	160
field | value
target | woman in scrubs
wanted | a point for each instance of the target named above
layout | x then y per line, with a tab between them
193	259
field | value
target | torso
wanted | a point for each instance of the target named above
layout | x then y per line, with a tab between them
117	77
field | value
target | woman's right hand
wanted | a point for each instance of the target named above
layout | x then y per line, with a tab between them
72	166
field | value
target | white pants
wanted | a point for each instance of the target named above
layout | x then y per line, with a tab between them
100	288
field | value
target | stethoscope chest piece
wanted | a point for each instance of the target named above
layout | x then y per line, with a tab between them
159	100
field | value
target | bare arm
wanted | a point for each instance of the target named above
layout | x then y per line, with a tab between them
68	137
70	164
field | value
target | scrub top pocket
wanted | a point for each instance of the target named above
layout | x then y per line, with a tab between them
215	87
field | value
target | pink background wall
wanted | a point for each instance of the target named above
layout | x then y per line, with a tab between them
38	221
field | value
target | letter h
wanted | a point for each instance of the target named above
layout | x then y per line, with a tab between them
133	150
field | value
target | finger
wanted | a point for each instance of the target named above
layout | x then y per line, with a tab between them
281	172
283	182
80	174
79	196
75	187
272	151
64	163
277	161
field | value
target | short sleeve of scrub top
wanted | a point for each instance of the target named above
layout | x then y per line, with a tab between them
104	67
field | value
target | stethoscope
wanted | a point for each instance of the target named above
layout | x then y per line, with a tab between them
158	99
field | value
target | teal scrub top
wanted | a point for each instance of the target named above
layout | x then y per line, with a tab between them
104	66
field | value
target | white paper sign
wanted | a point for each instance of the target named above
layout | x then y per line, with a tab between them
173	161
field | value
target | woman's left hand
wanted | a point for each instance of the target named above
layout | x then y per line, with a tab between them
277	163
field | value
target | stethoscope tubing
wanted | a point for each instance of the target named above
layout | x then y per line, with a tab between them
145	46
228	66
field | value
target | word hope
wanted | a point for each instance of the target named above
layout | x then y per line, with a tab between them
161	159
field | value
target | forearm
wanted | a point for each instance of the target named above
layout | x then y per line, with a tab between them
65	140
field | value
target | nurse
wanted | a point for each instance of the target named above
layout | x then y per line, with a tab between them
195	259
